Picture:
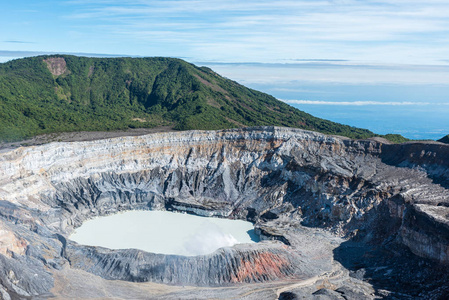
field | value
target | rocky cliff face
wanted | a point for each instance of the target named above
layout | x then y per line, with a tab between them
286	181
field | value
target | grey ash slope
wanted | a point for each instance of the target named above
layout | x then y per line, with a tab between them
358	218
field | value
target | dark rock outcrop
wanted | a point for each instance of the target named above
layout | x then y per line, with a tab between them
444	139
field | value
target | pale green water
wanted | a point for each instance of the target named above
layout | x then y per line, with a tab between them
164	232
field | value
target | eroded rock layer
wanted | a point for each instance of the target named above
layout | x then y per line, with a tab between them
281	179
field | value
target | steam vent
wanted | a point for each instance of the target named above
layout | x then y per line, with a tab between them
337	218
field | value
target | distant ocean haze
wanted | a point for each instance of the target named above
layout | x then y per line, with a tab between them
409	100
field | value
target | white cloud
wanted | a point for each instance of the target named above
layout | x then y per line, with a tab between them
360	103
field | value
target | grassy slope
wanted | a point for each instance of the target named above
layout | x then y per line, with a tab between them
119	93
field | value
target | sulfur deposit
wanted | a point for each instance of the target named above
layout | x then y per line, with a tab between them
339	218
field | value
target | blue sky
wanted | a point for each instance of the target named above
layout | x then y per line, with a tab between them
382	31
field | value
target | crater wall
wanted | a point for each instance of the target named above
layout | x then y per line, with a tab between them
281	179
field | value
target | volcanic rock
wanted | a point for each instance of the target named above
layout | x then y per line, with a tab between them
324	207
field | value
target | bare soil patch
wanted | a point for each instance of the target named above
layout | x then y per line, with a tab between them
82	136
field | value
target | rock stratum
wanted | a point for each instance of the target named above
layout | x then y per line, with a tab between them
339	218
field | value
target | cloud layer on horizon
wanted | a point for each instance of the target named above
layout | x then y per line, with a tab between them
285	75
362	103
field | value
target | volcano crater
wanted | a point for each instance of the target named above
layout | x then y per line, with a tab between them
320	204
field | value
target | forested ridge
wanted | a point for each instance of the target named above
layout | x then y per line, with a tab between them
60	93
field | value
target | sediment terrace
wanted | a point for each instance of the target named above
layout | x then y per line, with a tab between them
325	206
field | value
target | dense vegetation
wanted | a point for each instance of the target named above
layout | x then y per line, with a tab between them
48	94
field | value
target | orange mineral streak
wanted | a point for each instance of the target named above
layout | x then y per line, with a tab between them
10	243
261	265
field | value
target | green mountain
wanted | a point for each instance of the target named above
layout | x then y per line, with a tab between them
47	94
444	139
